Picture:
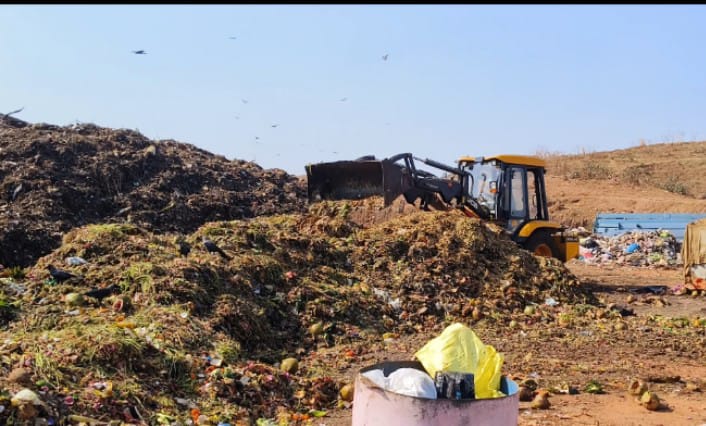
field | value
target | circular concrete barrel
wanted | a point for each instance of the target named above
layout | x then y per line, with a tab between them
374	406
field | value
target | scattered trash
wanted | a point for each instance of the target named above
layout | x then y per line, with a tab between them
550	301
451	385
377	376
594	387
654	289
637	387
457	349
411	382
650	400
26	396
541	400
632	248
526	394
75	261
290	365
637	248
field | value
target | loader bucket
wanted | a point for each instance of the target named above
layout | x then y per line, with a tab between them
355	180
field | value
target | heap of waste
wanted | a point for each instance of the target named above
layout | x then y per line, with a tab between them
191	336
635	248
54	178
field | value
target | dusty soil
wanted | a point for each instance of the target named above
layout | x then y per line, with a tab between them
616	407
576	202
613	359
655	178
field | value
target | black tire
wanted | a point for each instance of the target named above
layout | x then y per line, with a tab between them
541	243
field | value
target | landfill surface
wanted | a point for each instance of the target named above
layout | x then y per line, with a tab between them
212	330
54	178
151	327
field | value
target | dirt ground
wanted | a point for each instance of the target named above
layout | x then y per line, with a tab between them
613	358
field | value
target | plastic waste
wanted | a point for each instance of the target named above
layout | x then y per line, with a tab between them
26	396
550	301
378	377
458	349
75	261
411	382
454	385
632	248
405	381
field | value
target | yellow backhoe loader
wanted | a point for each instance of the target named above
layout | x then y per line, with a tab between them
505	189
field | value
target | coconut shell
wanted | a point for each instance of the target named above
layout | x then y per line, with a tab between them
316	329
347	393
526	394
637	387
290	365
74	299
650	400
541	401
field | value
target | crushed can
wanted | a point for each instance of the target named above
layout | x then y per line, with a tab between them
454	385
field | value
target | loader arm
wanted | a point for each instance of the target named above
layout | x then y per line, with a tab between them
392	177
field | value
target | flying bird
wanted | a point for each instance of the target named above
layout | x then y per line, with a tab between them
385	56
213	248
59	275
344	99
232	37
139	52
244	101
102	293
275	125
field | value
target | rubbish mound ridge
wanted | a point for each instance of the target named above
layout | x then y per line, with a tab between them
55	178
202	335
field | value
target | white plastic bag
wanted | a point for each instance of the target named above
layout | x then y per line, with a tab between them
378	377
411	382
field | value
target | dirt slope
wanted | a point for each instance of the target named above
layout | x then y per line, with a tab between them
659	178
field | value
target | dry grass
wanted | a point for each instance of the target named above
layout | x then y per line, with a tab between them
675	167
648	178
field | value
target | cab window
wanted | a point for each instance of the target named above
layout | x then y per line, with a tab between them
532	194
518	209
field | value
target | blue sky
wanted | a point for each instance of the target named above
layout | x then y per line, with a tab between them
459	79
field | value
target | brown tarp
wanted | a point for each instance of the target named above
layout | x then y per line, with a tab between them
693	251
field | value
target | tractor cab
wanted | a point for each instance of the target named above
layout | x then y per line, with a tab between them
511	186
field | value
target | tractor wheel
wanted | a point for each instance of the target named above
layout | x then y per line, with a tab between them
541	243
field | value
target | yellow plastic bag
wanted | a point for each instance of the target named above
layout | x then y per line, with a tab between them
458	349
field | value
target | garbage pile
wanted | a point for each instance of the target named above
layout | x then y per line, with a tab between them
155	328
636	248
54	178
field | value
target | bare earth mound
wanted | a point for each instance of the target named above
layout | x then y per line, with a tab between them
658	178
